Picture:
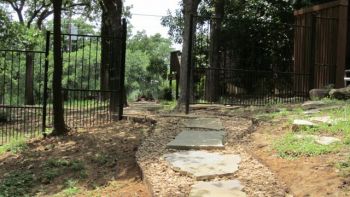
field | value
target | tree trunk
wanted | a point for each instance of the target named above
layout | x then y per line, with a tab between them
212	81
105	55
190	8
114	10
29	83
58	110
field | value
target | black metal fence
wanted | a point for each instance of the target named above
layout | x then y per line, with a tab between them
251	64
21	96
93	83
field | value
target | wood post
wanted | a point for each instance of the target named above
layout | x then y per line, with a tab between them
341	44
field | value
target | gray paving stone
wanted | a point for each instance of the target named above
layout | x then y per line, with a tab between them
323	140
230	188
203	165
204	123
191	139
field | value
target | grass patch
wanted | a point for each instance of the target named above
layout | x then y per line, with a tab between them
169	105
16	183
71	189
290	146
14	146
344	167
54	168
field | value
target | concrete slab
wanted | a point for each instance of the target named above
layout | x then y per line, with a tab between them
203	165
204	123
192	139
230	188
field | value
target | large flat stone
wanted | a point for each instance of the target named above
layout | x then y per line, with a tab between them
204	123
198	140
203	165
323	140
230	188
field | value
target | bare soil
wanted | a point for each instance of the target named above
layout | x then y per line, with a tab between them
106	155
304	176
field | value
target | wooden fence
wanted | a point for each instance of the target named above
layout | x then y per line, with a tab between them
320	48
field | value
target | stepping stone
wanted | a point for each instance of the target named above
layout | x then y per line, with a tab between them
203	165
312	111
198	140
312	105
204	123
327	140
323	119
297	124
303	123
323	140
219	188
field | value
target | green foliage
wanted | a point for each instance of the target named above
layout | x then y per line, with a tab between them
147	64
54	168
344	167
14	146
71	189
290	146
16	183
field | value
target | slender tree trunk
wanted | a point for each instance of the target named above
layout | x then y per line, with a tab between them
29	83
190	8
114	10
105	55
58	110
212	81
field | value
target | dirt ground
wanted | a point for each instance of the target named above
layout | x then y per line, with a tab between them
305	176
100	160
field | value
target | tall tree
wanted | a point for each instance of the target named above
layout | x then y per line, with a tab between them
113	20
214	50
189	9
58	110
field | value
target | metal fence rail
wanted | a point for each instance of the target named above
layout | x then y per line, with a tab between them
248	87
91	85
21	93
254	62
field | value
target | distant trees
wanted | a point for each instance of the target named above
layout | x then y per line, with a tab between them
147	65
31	15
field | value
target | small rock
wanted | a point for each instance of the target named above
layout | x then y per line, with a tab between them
341	94
312	105
323	140
317	94
322	119
313	111
327	140
297	124
218	188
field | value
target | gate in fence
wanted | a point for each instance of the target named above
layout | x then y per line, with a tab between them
92	81
257	62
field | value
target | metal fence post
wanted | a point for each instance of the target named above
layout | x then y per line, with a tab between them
46	69
189	65
122	71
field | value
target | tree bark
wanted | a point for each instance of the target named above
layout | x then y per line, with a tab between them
105	55
190	8
212	81
58	110
114	10
29	86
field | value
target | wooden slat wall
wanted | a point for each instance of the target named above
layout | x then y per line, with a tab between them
326	49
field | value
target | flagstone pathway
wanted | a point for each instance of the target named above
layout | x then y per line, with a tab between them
199	157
